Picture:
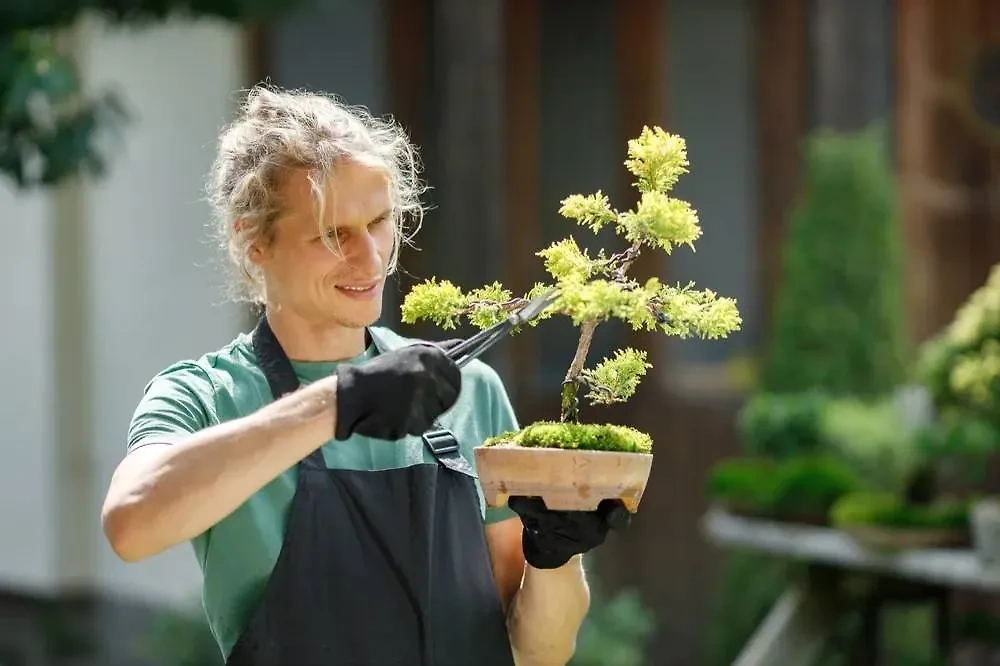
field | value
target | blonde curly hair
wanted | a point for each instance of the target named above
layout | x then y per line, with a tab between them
278	130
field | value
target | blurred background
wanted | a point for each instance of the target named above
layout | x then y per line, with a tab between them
844	163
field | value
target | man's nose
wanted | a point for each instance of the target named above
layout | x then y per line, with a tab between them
363	250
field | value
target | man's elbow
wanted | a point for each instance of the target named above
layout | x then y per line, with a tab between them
124	533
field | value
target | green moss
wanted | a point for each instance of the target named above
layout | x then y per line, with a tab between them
585	436
888	510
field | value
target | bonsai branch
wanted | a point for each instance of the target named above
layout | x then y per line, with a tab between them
617	264
570	409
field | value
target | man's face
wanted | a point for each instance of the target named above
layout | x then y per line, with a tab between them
342	287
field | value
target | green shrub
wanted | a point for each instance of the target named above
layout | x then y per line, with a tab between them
838	330
616	631
780	426
889	510
802	488
743	485
839	323
805	488
961	366
958	447
869	437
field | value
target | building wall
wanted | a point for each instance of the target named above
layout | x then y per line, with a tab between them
714	42
108	283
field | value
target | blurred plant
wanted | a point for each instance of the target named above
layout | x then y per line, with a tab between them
745	595
51	128
780	426
805	488
179	638
838	330
868	436
616	631
889	510
839	321
795	489
959	447
744	486
961	366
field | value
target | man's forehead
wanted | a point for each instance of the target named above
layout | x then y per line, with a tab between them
351	194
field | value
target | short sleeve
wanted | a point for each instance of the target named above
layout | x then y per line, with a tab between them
502	419
174	404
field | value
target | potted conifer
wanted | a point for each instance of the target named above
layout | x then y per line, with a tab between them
571	464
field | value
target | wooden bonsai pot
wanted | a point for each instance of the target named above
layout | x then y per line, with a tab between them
566	479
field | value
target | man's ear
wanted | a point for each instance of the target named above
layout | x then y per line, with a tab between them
257	252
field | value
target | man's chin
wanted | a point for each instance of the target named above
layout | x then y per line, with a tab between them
357	317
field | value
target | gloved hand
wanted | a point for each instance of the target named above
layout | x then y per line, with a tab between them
396	394
551	538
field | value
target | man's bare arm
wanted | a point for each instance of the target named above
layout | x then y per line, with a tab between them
546	614
545	607
164	494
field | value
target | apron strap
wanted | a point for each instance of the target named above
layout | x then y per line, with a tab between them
443	445
281	378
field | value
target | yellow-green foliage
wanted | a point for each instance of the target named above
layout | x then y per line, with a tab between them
889	510
586	436
962	365
597	288
615	379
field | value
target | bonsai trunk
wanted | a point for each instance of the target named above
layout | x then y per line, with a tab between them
570	409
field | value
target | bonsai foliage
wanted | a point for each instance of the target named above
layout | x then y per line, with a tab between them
593	289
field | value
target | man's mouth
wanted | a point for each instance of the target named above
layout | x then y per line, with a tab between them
362	289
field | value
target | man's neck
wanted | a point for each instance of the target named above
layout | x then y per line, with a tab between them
305	340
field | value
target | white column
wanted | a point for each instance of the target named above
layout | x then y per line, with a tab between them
155	292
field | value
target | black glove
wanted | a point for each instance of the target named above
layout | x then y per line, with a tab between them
396	394
448	344
551	538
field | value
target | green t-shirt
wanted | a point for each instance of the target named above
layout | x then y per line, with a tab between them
238	554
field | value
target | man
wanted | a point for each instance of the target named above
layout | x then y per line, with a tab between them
322	466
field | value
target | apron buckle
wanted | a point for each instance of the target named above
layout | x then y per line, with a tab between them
441	442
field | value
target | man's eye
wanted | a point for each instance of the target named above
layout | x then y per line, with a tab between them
381	220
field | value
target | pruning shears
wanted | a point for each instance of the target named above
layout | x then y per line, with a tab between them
474	346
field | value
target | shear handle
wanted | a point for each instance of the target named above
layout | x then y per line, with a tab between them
474	346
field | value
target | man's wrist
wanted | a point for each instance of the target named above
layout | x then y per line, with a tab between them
572	566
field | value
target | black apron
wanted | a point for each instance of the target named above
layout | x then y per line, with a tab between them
377	567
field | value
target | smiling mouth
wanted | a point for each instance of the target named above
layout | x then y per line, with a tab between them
358	289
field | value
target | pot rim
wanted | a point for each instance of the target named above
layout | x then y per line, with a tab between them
545	450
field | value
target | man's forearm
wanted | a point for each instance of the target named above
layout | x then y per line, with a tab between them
162	495
546	614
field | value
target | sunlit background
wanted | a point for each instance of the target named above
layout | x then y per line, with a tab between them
844	165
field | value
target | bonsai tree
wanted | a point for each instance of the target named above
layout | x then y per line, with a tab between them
593	289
